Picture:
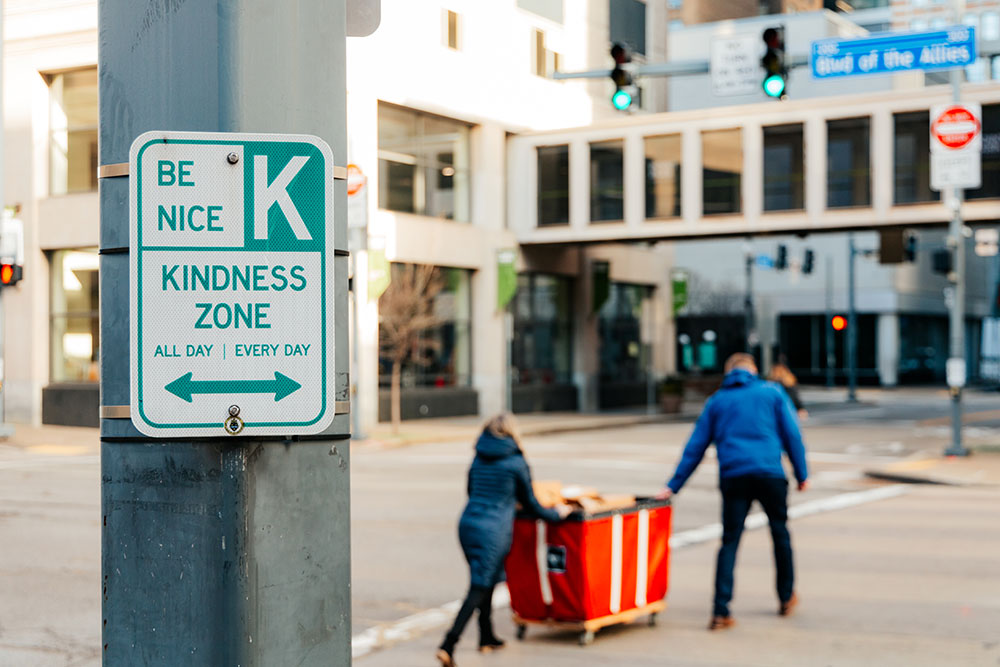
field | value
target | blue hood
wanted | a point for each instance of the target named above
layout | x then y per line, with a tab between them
738	377
491	447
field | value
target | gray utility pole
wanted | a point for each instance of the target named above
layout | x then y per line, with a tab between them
852	324
831	358
748	318
219	551
956	240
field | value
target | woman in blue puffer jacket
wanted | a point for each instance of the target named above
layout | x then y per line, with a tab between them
499	478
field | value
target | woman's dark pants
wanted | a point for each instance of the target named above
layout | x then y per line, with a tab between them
738	494
480	598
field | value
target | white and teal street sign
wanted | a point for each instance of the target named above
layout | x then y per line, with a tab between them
231	284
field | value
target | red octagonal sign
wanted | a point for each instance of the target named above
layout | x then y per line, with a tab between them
955	127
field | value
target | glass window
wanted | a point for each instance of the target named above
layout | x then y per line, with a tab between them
722	168
553	185
917	25
451	39
848	162
75	334
539	53
73	131
543	330
911	158
663	176
627	21
991	155
423	164
442	354
675	25
622	358
607	180
784	187
978	71
991	26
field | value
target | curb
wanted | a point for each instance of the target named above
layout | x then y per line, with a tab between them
638	420
902	478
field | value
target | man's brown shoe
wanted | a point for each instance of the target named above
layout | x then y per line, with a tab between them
786	607
721	623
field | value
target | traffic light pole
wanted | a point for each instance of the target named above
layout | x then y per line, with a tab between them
852	324
748	315
956	329
831	358
214	551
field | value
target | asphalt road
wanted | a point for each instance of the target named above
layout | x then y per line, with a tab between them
406	502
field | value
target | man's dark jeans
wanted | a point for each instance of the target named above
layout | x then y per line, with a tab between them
738	493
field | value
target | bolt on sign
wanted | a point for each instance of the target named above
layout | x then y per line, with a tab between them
232	285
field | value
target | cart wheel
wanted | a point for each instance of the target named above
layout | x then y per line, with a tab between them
521	631
586	637
652	620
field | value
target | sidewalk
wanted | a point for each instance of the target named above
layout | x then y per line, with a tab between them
906	581
449	429
978	469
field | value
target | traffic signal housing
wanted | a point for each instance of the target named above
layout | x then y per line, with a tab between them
775	83
10	274
809	261
910	248
781	261
941	261
625	90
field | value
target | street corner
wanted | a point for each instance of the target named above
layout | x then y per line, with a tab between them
979	468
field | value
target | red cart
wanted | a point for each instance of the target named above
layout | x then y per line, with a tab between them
591	570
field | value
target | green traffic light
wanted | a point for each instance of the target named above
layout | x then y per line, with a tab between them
774	85
621	100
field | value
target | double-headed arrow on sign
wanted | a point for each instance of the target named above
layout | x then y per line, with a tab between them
184	387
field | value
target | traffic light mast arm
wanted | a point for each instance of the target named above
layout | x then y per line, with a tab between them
681	68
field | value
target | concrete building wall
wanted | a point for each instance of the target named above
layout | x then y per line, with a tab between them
39	37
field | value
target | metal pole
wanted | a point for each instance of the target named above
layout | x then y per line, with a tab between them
232	552
508	333
852	324
748	318
831	358
956	240
357	432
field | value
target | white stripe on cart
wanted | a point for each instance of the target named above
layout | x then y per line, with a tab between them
616	563
542	558
642	560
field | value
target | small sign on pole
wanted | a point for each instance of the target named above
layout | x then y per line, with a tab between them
735	65
956	146
987	242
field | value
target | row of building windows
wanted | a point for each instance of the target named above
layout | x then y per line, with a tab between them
542	346
848	169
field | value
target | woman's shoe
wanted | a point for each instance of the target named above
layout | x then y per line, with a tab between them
444	657
491	645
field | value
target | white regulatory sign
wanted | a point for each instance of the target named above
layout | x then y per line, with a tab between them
955	372
232	322
956	146
735	65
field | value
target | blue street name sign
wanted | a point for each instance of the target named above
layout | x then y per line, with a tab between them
765	262
888	53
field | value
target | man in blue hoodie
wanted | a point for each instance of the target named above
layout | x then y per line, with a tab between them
751	423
